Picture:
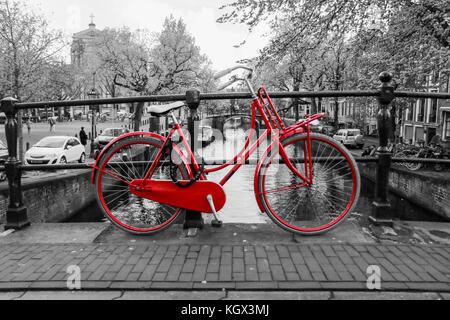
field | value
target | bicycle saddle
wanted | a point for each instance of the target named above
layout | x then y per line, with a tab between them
162	110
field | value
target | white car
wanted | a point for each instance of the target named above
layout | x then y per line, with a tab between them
56	150
350	137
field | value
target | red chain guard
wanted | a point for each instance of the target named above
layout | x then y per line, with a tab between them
190	198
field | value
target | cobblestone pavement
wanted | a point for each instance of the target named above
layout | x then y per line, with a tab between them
286	267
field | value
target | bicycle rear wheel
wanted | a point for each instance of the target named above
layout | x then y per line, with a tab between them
127	160
318	207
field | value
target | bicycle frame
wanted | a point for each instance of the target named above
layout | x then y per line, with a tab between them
275	128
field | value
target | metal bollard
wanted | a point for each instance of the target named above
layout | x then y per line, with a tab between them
381	205
193	219
16	214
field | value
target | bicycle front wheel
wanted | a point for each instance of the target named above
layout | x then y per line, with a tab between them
128	160
309	209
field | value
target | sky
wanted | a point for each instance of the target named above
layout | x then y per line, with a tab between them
216	40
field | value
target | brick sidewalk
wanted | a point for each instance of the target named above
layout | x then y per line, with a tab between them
211	267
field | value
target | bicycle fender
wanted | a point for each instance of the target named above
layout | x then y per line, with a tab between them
132	134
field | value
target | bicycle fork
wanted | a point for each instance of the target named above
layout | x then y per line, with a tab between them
308	177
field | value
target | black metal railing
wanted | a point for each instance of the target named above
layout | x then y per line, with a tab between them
16	215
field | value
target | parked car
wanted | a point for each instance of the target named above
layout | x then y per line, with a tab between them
106	137
328	130
350	137
3	158
56	149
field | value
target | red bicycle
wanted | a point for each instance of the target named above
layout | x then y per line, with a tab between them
307	183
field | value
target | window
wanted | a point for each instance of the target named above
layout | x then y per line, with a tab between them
433	111
70	142
421	110
447	126
409	112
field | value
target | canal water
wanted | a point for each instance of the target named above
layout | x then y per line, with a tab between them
241	206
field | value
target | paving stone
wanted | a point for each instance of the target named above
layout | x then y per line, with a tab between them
256	285
299	285
315	266
238	265
276	295
189	265
123	273
225	273
212	277
265	276
141	264
148	272
11	295
282	251
287	264
263	265
291	276
214	265
172	295
328	250
278	273
199	273
429	286
251	273
238	276
70	295
238	252
303	272
364	295
185	277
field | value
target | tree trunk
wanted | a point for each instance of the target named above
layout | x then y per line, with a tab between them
295	102
19	114
313	106
138	115
336	113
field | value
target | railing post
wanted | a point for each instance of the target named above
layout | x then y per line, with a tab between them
381	205
16	214
193	219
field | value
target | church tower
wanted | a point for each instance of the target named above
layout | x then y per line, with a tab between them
84	47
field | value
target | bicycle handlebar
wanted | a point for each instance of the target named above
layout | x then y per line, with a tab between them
229	83
229	70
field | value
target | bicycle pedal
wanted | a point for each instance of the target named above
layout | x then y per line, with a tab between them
216	223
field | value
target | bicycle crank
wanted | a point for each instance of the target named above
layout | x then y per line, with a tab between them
194	197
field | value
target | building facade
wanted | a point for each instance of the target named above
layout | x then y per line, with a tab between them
425	118
353	113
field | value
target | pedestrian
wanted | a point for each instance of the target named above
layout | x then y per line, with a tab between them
29	126
83	137
52	124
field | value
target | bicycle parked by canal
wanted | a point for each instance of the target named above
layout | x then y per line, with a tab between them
423	152
306	182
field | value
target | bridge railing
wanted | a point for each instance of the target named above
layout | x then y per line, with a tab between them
16	215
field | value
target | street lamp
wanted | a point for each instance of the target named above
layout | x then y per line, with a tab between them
93	94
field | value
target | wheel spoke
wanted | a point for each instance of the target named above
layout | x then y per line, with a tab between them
128	161
316	207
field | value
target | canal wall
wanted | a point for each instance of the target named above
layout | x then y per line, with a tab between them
429	190
52	198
